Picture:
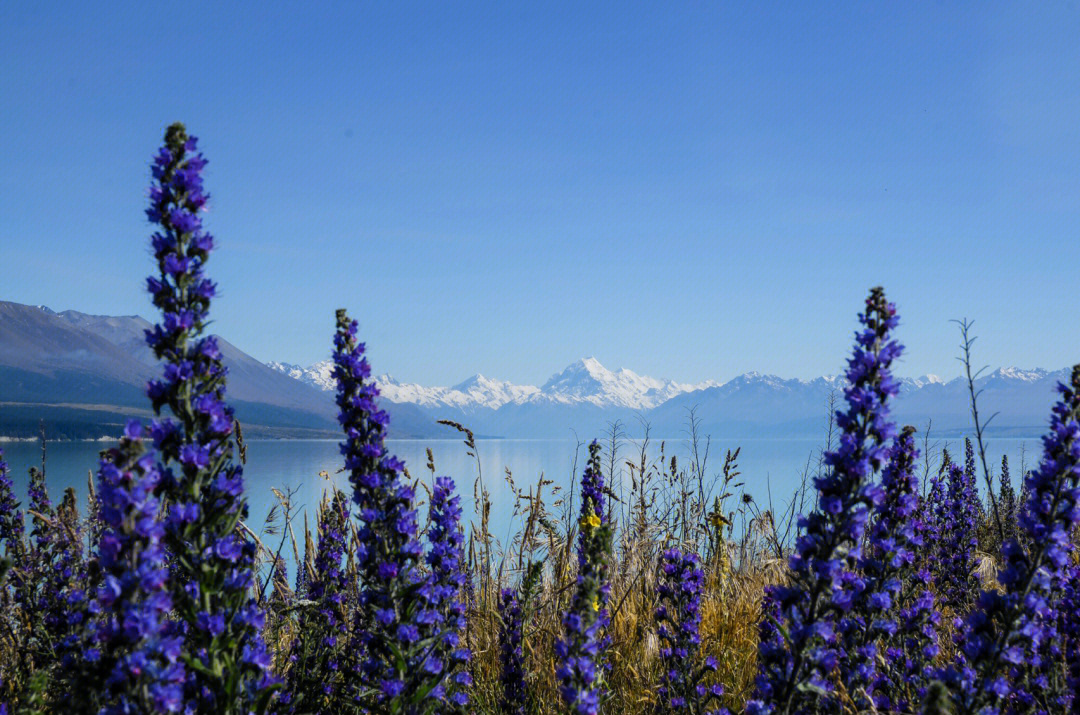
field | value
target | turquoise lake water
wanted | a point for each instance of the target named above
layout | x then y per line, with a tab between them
767	465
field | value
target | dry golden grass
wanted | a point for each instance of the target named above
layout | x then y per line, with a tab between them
730	608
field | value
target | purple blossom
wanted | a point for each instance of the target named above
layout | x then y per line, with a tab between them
393	601
795	676
317	656
133	659
200	481
678	614
580	651
1004	640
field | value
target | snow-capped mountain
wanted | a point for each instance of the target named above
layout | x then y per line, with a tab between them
588	381
916	383
585	381
586	396
319	375
477	392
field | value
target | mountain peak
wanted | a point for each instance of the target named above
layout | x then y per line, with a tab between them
1016	373
477	381
587	383
320	374
586	367
592	365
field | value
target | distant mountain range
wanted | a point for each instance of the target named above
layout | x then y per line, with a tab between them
585	381
83	376
585	397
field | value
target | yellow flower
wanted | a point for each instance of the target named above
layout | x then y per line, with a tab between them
718	520
596	604
591	520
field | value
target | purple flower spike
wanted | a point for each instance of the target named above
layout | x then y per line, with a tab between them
443	593
514	695
200	482
955	553
582	666
398	671
681	689
132	661
12	527
318	657
890	635
1008	636
796	676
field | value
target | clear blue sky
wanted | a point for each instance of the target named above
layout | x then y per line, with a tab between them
691	190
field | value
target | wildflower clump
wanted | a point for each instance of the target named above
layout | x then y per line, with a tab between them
679	617
152	602
1003	638
132	661
221	621
399	672
316	661
580	651
795	676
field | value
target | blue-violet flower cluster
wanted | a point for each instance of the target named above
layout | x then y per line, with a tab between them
824	584
580	651
678	614
212	593
131	663
1005	636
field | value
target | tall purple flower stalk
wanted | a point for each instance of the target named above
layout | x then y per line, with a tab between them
41	535
33	588
512	654
213	591
1003	638
513	606
131	663
933	511
580	651
955	578
12	535
316	673
1007	500
398	673
49	580
443	593
891	652
681	689
823	584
